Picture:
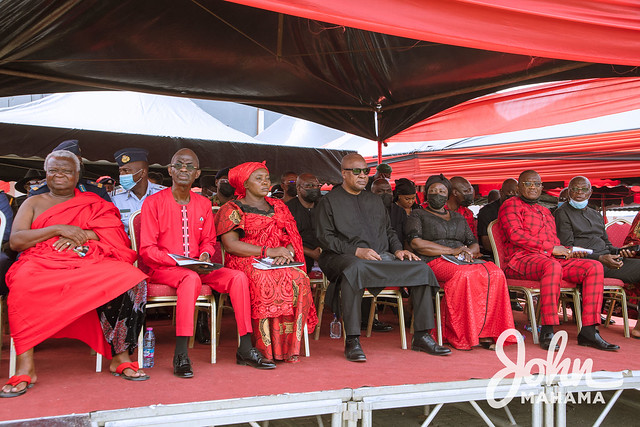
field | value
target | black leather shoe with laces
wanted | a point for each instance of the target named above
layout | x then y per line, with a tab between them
182	366
254	359
353	350
426	343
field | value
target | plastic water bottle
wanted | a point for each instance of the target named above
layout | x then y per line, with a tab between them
148	348
335	328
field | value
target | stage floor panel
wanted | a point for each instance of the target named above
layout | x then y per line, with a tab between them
68	384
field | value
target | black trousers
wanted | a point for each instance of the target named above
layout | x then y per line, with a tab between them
351	302
628	273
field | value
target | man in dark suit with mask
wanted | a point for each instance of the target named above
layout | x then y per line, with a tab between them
460	198
302	207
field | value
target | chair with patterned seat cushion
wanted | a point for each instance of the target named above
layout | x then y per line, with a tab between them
617	231
159	295
531	288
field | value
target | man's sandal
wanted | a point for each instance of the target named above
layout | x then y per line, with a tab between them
129	365
14	381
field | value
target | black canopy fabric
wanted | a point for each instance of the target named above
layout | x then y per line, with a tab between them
29	145
333	75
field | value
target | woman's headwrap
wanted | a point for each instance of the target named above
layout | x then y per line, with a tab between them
241	173
405	187
435	179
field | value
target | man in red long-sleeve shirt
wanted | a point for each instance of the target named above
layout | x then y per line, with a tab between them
533	252
179	221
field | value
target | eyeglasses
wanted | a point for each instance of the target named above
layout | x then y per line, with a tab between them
358	171
530	184
580	189
291	182
188	166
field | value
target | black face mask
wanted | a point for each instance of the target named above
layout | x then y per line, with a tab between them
291	191
436	201
226	189
467	200
312	195
387	199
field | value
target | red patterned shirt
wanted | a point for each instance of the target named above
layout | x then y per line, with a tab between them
527	229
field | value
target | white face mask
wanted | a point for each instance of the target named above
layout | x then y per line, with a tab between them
579	205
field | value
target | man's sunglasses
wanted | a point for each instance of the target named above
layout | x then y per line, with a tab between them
187	166
358	171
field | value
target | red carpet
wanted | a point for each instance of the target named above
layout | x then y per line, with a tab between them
67	381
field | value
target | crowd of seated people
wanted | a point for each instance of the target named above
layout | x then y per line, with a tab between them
363	235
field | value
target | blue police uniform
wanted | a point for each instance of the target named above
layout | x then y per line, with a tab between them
127	202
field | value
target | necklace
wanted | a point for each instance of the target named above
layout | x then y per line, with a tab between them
437	212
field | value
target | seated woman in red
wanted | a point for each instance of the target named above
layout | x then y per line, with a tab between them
74	277
476	305
256	226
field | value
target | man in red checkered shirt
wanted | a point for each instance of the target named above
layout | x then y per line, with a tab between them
533	252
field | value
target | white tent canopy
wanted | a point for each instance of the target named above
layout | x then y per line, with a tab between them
124	112
290	131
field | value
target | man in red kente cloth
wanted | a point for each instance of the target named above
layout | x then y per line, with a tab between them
178	221
533	252
74	277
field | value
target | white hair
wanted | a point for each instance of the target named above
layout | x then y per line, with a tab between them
62	154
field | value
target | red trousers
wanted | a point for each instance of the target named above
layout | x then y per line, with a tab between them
550	272
188	284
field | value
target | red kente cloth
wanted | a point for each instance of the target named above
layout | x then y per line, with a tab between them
55	294
476	302
283	295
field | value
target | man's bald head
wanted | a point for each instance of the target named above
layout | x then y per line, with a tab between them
579	180
350	159
509	189
462	191
186	152
304	178
381	186
530	185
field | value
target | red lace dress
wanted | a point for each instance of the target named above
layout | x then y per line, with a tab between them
281	299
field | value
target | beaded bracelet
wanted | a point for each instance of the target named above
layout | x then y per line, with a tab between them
263	252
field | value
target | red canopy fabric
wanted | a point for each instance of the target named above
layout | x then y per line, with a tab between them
604	31
600	156
527	108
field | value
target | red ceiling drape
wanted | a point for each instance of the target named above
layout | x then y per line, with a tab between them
601	156
604	31
528	108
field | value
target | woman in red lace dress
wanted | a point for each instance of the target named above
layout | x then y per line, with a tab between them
255	226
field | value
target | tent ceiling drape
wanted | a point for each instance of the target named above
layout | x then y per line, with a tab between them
599	156
532	107
301	66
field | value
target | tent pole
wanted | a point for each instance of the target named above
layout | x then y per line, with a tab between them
604	208
379	152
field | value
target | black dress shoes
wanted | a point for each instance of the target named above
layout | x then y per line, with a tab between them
182	366
254	359
597	342
353	351
377	326
203	333
426	343
545	341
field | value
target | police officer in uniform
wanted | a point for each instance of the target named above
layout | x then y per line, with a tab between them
84	185
134	180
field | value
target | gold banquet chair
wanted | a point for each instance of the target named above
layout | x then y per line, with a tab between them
159	295
393	293
531	288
